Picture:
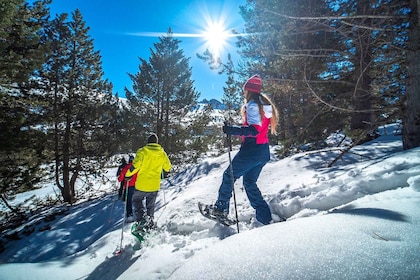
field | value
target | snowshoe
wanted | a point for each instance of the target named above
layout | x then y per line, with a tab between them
213	214
139	231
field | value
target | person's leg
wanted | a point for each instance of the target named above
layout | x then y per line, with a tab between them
120	191
137	200
240	165
263	213
150	203
150	209
130	201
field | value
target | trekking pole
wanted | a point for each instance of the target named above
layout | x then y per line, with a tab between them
112	207
112	210
125	213
229	142
164	199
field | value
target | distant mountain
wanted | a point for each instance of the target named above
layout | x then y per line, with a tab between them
218	114
216	104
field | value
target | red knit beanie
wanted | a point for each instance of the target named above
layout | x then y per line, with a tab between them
253	84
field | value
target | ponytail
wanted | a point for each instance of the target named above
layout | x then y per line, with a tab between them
262	99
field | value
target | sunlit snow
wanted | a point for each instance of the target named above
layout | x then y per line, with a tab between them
359	219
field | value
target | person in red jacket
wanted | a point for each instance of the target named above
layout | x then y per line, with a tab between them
120	168
129	188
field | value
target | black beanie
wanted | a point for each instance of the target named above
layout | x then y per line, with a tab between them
152	138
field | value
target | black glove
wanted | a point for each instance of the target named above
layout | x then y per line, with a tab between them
247	131
127	178
225	129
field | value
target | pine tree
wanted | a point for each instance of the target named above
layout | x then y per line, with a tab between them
372	37
325	61
163	94
411	115
20	49
232	99
21	140
232	92
81	109
232	96
278	47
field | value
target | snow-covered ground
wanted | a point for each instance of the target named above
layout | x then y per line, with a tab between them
359	219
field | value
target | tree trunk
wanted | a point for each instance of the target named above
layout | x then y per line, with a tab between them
362	96
411	112
66	190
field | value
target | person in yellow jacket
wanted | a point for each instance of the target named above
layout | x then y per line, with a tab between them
149	163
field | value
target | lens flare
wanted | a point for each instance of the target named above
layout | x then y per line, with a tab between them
211	24
216	37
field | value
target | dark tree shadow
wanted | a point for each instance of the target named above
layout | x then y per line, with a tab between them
113	267
84	225
372	212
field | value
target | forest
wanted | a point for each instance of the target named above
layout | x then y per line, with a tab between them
329	65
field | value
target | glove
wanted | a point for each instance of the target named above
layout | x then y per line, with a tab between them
127	178
225	129
247	131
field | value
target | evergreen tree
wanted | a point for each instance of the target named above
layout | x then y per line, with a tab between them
20	29
232	99
232	96
81	109
325	61
163	94
411	114
21	140
372	37
232	92
278	47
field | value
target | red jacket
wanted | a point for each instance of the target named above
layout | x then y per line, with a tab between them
132	181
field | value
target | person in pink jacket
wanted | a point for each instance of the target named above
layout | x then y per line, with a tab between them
260	117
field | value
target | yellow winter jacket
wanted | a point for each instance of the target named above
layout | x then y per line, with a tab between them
149	163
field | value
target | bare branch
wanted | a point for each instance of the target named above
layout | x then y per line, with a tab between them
330	105
338	17
365	27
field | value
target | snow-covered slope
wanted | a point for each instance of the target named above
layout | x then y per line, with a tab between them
357	220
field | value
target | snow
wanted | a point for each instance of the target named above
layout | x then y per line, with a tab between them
359	219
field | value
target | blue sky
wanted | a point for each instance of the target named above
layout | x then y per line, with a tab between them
114	25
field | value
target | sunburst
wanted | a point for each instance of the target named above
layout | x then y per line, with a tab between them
211	28
216	38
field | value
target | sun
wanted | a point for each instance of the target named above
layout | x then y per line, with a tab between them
216	36
212	25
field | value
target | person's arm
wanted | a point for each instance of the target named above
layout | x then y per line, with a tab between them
135	166
247	131
253	121
122	175
167	164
